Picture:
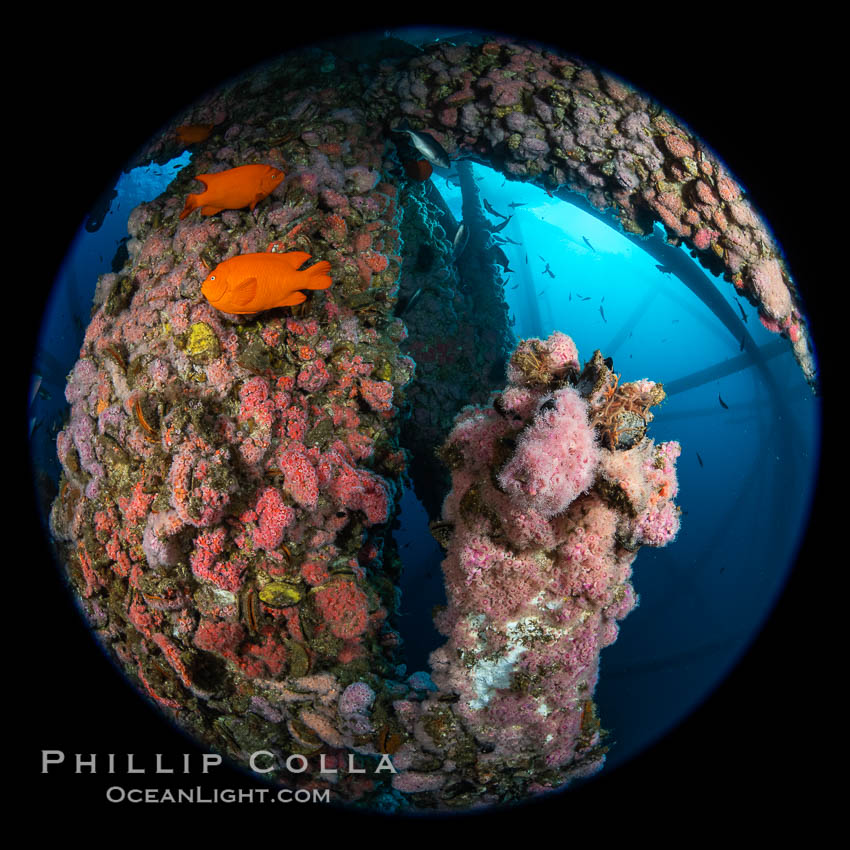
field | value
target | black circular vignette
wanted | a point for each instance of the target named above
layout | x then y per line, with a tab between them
743	744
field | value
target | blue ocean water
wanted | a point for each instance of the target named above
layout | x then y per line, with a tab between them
746	473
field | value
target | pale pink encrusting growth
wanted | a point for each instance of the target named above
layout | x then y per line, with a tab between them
357	698
645	476
556	457
541	527
771	289
658	525
561	352
157	541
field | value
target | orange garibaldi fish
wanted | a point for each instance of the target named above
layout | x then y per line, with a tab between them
244	186
190	134
418	169
251	283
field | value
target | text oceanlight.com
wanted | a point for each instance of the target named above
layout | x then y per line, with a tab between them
117	794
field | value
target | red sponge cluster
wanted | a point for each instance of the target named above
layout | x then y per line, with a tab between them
299	475
344	606
274	517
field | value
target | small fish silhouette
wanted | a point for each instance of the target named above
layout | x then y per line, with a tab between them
700	460
722	403
426	144
587	242
602	313
403	305
35	386
460	240
501	258
100	210
743	314
492	211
